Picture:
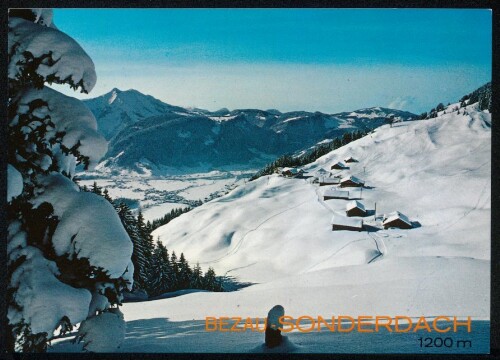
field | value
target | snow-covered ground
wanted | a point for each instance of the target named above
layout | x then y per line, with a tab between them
436	171
276	232
157	195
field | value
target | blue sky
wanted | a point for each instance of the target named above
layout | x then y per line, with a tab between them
328	60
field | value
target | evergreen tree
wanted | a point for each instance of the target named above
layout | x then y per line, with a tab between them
145	236
185	273
175	271
210	281
166	282
105	194
49	134
96	189
196	277
139	253
160	270
440	107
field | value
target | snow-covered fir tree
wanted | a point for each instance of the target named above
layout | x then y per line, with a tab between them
69	257
161	280
155	271
138	255
197	277
185	272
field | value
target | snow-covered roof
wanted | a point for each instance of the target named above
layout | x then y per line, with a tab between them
352	178
354	204
329	180
341	164
290	169
346	221
394	216
349	158
336	193
322	171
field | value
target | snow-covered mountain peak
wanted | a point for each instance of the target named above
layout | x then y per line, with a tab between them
117	109
113	96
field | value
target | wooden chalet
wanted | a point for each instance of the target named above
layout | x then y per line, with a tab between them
351	181
355	208
335	194
396	220
339	166
291	172
345	223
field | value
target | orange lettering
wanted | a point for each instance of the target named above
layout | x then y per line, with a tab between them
456	324
235	325
422	324
223	321
386	325
248	324
341	329
283	322
397	324
330	327
257	325
309	329
210	324
434	324
361	322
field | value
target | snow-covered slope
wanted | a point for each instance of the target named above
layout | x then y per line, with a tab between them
276	231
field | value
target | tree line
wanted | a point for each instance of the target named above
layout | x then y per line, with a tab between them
482	96
311	155
157	271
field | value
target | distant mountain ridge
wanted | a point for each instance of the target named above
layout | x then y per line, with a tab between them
142	129
117	109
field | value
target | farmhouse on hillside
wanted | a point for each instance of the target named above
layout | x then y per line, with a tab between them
351	181
355	208
339	166
335	194
291	172
344	223
396	220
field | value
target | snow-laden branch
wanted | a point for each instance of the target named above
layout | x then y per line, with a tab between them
44	299
88	227
69	116
51	54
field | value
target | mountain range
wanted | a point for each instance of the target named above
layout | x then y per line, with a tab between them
142	129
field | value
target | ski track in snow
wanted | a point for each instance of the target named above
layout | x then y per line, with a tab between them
240	242
334	253
468	212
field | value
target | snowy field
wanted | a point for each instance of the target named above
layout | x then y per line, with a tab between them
161	335
276	232
157	195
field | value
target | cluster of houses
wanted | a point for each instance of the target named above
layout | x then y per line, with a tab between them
339	189
355	210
